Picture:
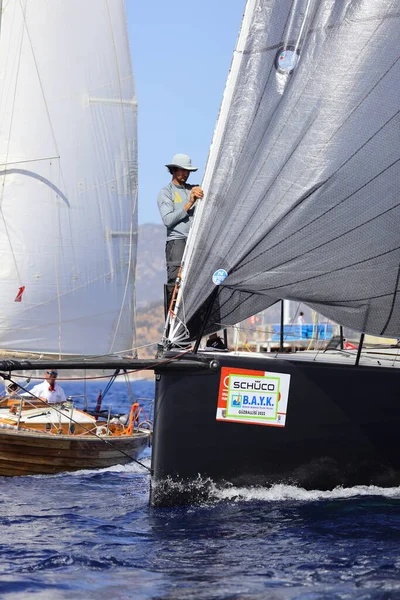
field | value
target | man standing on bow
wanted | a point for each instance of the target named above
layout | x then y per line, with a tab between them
176	203
48	389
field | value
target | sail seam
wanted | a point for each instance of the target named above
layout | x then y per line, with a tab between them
304	198
393	302
314	30
344	163
341	268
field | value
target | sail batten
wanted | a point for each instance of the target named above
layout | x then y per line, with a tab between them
303	187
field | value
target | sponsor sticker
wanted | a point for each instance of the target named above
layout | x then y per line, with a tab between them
286	60
258	397
219	276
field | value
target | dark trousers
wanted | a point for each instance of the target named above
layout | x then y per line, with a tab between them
173	255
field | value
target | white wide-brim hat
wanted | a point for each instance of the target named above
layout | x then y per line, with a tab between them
182	161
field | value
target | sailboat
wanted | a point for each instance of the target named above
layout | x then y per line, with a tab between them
68	225
301	204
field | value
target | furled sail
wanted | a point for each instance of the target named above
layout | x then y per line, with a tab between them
68	196
302	182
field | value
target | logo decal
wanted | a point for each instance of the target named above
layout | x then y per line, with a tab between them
286	60
177	198
237	400
219	276
18	297
256	397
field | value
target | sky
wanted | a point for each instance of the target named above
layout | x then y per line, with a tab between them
181	55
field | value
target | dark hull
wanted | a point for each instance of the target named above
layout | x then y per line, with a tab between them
342	429
24	453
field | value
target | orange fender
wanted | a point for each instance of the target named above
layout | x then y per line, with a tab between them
133	416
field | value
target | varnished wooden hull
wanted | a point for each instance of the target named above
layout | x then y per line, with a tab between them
24	453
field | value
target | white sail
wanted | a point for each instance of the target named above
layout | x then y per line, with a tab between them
68	166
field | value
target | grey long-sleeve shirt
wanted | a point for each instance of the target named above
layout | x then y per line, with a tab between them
171	200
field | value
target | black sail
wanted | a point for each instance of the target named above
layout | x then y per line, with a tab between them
303	178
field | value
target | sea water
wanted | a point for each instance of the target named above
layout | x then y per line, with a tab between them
92	534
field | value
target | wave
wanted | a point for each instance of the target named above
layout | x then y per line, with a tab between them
171	492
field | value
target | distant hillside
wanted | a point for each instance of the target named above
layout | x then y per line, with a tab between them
149	329
150	269
150	279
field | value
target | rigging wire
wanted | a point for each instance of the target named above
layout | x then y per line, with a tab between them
41	85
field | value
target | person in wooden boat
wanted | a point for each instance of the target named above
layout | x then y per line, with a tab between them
49	390
176	202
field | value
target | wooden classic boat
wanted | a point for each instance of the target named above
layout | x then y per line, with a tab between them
39	438
42	453
69	225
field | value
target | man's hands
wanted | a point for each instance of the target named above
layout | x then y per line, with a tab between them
195	193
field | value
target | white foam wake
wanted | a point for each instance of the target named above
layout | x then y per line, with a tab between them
131	468
289	492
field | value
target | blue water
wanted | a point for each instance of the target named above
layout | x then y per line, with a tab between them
92	534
